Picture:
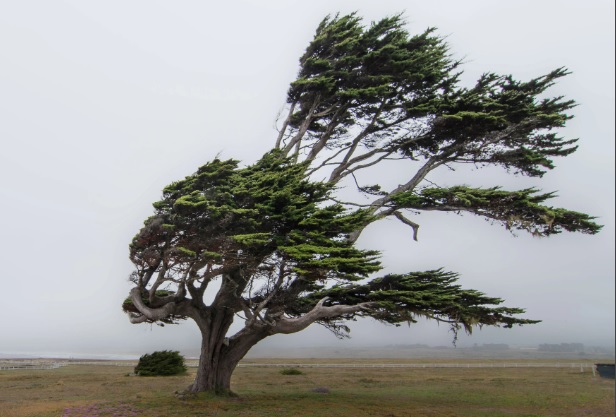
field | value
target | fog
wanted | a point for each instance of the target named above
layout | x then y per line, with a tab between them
105	103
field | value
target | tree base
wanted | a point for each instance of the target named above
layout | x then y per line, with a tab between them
191	393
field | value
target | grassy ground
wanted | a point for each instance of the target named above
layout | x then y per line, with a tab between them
102	391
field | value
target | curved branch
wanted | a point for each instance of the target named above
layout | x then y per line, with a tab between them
150	314
137	318
408	222
286	325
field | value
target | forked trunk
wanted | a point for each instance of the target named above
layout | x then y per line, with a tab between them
220	356
214	371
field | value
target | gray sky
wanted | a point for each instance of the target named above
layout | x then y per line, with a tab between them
102	104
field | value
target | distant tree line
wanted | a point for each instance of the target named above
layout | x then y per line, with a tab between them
562	347
492	346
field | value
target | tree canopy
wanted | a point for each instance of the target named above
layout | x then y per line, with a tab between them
278	239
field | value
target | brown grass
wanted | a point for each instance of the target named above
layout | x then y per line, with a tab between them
388	392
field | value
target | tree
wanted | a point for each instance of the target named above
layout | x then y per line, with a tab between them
278	237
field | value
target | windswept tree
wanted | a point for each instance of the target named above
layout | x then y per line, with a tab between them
277	240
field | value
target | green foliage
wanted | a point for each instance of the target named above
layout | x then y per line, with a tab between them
389	83
521	210
225	216
500	121
283	243
291	371
397	298
161	363
354	76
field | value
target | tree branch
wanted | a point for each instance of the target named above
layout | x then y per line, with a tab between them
285	125
303	128
286	325
431	164
150	314
272	294
408	222
317	147
367	155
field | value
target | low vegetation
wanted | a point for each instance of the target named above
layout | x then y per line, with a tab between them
104	391
161	363
291	371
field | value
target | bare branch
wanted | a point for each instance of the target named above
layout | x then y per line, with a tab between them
326	111
320	311
135	318
151	314
147	275
159	280
357	168
430	164
345	161
285	125
274	291
408	222
317	147
327	162
303	128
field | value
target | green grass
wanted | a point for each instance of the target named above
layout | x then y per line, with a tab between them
389	392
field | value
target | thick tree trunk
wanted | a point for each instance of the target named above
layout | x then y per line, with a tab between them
214	371
215	378
220	355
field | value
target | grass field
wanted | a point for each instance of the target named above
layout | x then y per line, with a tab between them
102	391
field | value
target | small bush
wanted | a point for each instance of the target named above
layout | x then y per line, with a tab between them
291	371
162	363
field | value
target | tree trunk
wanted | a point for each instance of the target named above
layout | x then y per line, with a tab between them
214	371
220	355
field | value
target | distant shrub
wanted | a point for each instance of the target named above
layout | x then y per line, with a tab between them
161	363
291	371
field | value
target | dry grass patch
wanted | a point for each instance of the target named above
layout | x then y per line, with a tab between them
384	392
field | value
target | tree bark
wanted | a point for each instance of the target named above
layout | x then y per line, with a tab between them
214	370
220	355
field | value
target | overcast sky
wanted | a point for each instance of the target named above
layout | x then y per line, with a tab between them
104	103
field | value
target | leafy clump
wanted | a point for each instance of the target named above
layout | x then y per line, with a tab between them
291	371
161	363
